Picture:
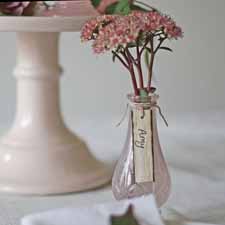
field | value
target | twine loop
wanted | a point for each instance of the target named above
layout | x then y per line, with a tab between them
142	106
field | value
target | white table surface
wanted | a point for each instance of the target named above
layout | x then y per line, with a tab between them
194	146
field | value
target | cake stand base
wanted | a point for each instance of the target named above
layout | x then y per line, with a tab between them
40	155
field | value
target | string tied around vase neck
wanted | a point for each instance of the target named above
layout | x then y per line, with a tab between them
143	106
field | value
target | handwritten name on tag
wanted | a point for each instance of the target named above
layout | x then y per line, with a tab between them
143	149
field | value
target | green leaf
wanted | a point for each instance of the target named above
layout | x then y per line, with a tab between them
113	57
111	8
121	4
131	45
122	7
147	57
166	48
126	10
127	219
115	53
148	49
96	3
143	93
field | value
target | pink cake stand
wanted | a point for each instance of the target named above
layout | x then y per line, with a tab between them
39	154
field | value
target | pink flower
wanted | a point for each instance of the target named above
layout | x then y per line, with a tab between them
13	8
153	21
110	32
170	28
129	37
120	32
94	25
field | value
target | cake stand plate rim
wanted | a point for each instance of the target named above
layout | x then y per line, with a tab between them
42	24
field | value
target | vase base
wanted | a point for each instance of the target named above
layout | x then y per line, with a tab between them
47	169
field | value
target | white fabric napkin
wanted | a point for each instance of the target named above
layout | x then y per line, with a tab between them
145	211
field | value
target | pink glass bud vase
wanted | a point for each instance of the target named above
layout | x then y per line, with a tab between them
142	169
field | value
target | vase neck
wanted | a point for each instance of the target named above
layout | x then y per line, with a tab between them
142	102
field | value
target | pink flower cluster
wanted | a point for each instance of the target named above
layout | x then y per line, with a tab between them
93	26
120	32
153	22
112	31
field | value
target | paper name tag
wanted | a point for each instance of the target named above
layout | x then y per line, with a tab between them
143	149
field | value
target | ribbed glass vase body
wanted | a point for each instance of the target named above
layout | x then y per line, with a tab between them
141	169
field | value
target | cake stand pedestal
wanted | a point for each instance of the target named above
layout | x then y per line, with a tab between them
40	155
